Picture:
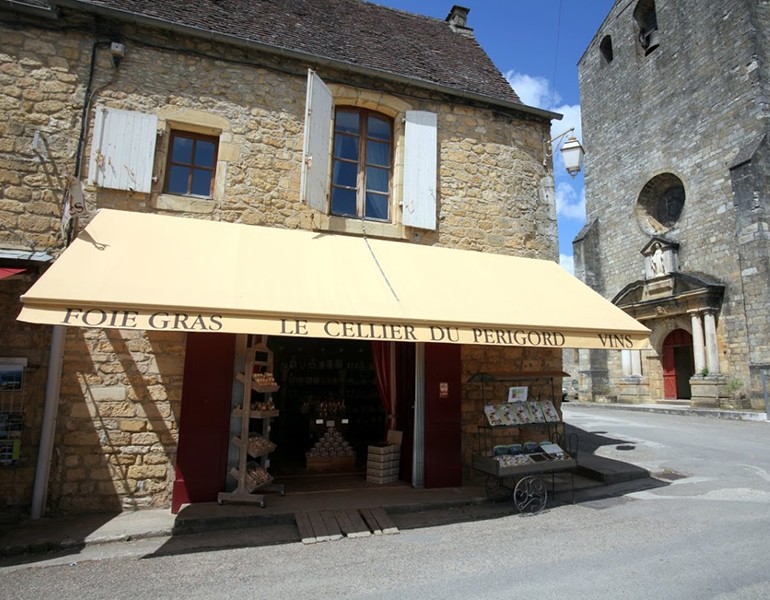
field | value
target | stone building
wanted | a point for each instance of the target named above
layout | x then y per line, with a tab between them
674	99
196	169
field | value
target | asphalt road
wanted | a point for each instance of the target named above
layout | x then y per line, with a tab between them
702	531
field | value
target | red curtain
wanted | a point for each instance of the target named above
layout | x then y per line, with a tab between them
383	370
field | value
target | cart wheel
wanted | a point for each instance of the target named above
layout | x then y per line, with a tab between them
530	495
498	488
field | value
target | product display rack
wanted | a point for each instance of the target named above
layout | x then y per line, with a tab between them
520	477
252	478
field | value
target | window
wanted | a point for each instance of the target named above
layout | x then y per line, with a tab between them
361	164
606	49
660	203
192	160
647	21
383	166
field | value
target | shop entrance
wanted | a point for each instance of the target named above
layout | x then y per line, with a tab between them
678	365
330	407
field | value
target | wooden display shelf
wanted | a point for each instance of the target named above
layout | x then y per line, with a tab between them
246	487
263	414
256	414
257	387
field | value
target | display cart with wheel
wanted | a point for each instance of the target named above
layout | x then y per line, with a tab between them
524	482
515	466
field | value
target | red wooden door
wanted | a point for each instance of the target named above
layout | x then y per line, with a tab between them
669	373
443	428
204	423
677	370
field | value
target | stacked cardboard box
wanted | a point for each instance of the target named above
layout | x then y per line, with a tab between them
383	463
384	460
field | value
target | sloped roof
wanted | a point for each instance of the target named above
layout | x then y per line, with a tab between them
352	32
45	4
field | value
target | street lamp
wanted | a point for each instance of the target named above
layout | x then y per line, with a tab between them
571	152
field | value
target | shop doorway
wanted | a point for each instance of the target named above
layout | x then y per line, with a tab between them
330	410
678	365
329	405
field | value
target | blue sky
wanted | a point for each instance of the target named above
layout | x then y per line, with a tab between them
536	44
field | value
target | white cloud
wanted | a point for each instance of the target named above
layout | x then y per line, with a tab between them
533	91
570	119
567	262
570	204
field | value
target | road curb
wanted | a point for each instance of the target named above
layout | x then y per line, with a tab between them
736	415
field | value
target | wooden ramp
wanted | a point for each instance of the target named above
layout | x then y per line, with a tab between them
328	525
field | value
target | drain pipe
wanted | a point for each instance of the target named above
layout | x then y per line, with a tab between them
45	451
56	354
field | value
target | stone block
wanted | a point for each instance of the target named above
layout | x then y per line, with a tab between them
147	471
107	393
132	426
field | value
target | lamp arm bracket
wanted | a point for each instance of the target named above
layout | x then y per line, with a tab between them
558	137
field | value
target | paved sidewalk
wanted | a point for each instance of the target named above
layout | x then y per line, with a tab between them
410	508
678	409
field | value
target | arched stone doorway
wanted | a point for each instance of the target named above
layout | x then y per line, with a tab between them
678	365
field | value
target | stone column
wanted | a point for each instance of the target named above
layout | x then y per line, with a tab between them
697	342
712	354
625	361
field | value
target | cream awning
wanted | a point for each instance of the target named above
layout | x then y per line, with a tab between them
131	270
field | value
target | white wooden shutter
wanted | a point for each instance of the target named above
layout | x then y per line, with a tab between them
123	149
420	152
316	149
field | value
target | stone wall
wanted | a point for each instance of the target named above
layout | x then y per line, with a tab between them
22	340
688	108
118	415
41	88
490	163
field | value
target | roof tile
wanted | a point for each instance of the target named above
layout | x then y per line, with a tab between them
348	31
